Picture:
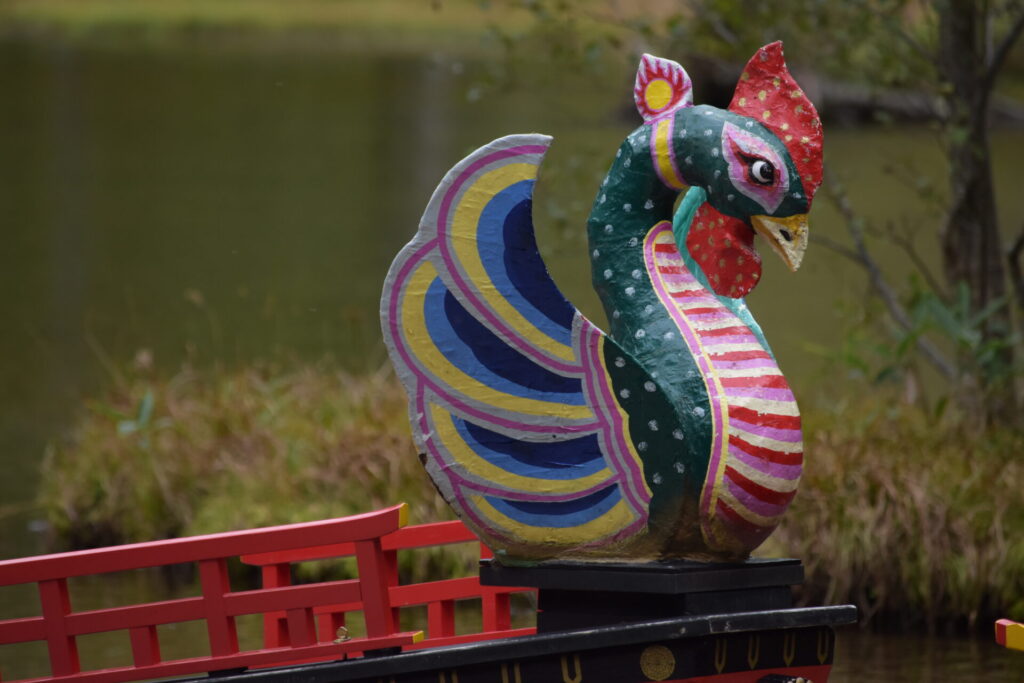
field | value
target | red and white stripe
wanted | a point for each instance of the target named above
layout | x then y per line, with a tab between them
755	475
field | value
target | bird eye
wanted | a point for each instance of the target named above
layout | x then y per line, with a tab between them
762	172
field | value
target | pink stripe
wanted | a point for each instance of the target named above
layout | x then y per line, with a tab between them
746	364
788	472
711	341
521	495
713	317
785	435
704	302
762	392
674	279
629	473
752	503
469	292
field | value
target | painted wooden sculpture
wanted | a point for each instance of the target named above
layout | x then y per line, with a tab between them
673	436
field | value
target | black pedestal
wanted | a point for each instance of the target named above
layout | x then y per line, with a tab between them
574	595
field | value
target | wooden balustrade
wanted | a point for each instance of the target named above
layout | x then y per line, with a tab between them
300	621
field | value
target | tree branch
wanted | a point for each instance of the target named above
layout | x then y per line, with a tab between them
838	248
906	243
1002	51
896	28
854	225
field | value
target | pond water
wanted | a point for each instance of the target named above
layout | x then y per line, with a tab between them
227	206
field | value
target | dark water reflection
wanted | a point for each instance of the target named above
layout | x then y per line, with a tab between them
894	658
231	206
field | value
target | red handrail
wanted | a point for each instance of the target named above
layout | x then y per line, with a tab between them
438	596
291	613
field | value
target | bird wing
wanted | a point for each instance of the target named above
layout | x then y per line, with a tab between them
520	406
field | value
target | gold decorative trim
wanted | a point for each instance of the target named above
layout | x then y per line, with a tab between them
577	676
789	648
824	644
657	662
517	676
753	651
721	654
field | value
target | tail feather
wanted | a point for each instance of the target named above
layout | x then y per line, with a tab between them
513	405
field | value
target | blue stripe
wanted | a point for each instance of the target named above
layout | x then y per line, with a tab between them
481	354
508	251
559	515
559	460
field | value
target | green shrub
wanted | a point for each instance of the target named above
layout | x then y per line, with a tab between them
201	452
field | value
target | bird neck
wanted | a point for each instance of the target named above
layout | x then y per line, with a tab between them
681	223
632	200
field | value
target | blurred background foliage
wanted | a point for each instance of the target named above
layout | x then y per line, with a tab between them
908	372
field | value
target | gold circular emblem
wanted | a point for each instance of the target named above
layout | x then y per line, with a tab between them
657	662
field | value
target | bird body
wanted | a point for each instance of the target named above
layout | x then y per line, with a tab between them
675	435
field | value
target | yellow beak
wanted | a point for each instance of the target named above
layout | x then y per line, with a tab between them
788	236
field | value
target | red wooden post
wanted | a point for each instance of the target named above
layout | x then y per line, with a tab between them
496	611
275	631
391	562
145	645
53	596
441	618
301	630
329	624
374	579
213	577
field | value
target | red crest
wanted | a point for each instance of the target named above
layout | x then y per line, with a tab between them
768	94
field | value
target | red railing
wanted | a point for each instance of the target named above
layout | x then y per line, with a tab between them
301	622
439	597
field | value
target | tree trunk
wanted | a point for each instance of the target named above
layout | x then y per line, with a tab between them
971	245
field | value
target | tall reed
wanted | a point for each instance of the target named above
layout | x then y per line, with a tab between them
917	521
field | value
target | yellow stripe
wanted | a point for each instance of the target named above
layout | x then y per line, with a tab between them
663	155
463	231
618	517
420	343
777	484
477	466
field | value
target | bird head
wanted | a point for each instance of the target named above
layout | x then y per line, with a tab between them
758	161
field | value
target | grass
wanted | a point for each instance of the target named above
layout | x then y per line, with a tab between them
464	27
915	521
449	15
405	25
200	452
